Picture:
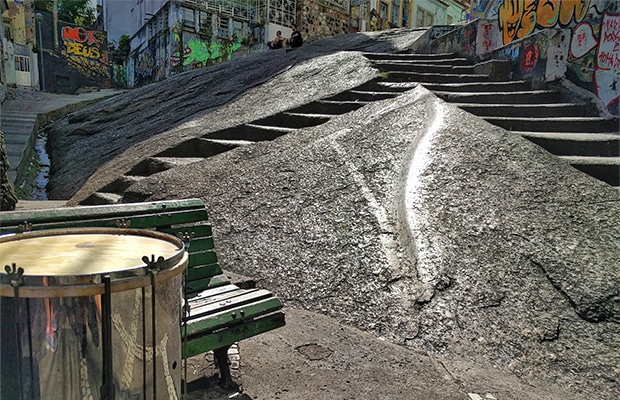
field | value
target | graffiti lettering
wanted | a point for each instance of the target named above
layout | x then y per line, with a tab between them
583	40
90	67
609	46
519	18
487	37
80	49
80	35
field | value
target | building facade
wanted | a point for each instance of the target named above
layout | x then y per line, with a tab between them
179	35
376	15
18	44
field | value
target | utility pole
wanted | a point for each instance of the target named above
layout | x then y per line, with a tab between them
39	17
55	23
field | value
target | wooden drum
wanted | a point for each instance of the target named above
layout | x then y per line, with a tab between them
91	313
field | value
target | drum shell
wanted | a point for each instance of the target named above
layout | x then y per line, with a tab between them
65	361
51	333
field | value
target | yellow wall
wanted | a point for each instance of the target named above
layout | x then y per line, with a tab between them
22	19
385	23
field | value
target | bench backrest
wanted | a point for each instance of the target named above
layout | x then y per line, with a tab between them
176	217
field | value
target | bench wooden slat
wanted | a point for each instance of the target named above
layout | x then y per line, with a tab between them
198	272
202	258
214	291
228	296
67	214
201	244
142	221
226	337
80	212
200	285
199	231
214	321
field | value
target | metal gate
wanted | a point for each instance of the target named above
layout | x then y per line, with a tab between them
22	71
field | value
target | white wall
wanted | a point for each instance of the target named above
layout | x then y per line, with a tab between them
438	9
273	28
125	17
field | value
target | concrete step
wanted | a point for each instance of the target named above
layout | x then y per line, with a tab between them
362	95
529	110
508	86
247	133
576	144
7	117
556	124
9	126
27	205
14	150
154	165
195	148
292	120
17	138
523	97
379	85
121	184
606	169
102	198
400	76
411	56
386	66
447	61
330	107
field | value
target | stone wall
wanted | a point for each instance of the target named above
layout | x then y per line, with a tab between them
322	18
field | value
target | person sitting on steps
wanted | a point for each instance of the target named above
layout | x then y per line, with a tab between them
295	40
278	42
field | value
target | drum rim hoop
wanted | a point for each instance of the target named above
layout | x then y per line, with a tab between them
178	261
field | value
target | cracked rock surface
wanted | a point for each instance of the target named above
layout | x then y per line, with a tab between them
412	220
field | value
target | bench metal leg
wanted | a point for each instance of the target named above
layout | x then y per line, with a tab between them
221	359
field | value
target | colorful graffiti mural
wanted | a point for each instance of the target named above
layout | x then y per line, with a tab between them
593	29
198	53
86	50
519	18
607	72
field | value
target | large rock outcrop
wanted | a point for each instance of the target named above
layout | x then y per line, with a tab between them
408	218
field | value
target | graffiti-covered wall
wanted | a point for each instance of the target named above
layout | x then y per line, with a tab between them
471	40
81	58
175	41
86	51
593	28
200	51
322	18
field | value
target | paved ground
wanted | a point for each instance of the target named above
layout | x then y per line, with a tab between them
18	118
316	357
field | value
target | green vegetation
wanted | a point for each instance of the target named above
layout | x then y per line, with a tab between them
78	12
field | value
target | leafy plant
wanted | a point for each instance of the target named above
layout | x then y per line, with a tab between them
78	12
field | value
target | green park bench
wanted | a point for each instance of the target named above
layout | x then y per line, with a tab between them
220	313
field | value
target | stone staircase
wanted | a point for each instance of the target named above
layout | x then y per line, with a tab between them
17	126
573	131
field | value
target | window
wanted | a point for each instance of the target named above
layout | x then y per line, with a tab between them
22	63
406	11
187	15
424	18
449	19
8	28
395	13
